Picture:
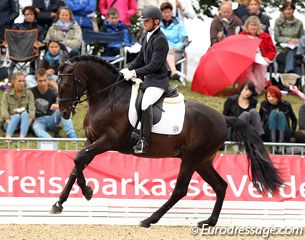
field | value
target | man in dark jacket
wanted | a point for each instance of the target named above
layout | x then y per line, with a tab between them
9	11
150	64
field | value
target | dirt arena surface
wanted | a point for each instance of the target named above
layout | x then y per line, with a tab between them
110	232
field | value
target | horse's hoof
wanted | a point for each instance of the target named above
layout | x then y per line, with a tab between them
88	193
144	223
56	208
205	224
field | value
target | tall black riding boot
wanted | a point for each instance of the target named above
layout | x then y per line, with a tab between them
281	140
146	125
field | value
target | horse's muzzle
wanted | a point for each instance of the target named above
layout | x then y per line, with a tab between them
65	112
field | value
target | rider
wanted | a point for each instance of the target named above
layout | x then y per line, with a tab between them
150	64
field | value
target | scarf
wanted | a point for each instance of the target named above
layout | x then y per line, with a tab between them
52	60
63	26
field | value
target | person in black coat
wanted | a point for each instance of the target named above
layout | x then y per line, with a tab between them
47	14
150	65
243	106
276	114
30	22
9	11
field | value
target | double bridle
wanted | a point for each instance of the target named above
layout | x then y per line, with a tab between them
80	90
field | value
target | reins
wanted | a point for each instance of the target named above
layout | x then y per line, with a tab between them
77	99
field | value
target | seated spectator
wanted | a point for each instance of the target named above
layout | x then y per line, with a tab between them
287	32
126	8
257	71
51	61
47	110
17	107
276	115
9	11
47	12
113	24
225	24
176	36
83	11
242	9
254	9
30	22
66	31
300	134
243	106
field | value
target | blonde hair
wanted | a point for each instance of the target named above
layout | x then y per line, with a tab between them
14	77
225	2
256	21
258	1
64	8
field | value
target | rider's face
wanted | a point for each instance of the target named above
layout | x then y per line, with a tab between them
148	24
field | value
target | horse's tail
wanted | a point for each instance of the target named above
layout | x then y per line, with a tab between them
265	176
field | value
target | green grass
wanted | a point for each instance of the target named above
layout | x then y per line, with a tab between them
215	102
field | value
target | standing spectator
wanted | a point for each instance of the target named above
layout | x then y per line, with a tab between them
30	22
9	11
66	31
127	9
17	107
113	24
287	32
254	9
83	11
46	10
243	106
242	9
225	24
257	71
176	36
47	110
276	115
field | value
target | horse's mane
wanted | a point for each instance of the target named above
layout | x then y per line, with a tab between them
91	59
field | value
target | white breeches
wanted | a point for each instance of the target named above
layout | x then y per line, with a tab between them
151	95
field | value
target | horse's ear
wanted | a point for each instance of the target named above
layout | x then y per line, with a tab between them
64	58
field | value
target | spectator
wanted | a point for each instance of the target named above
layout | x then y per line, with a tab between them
176	36
51	61
300	134
113	24
9	11
242	9
47	110
287	32
17	107
47	12
83	11
243	106
257	71
126	8
22	5
276	114
66	31
225	24
30	22
254	9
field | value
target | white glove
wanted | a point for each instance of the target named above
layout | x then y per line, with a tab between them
128	74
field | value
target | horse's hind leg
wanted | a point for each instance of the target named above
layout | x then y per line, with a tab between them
185	174
209	174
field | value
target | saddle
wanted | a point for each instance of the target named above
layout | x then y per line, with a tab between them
171	92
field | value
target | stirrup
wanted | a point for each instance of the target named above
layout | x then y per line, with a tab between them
140	147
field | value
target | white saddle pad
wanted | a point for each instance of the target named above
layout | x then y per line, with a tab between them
172	118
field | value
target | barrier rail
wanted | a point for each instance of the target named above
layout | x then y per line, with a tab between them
77	143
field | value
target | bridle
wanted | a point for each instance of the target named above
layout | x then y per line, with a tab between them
79	89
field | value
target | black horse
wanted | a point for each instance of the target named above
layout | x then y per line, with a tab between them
107	128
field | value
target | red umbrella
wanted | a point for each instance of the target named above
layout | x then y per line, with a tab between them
224	62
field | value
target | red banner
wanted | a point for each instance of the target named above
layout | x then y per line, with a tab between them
36	173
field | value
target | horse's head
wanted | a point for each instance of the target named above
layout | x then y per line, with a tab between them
70	88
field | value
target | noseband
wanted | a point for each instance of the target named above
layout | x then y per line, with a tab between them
79	89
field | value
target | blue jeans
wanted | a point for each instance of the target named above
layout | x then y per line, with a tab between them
290	59
21	120
48	123
278	121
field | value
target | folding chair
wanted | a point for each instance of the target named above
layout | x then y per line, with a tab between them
21	48
92	37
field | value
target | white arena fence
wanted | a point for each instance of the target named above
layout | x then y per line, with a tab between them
237	211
